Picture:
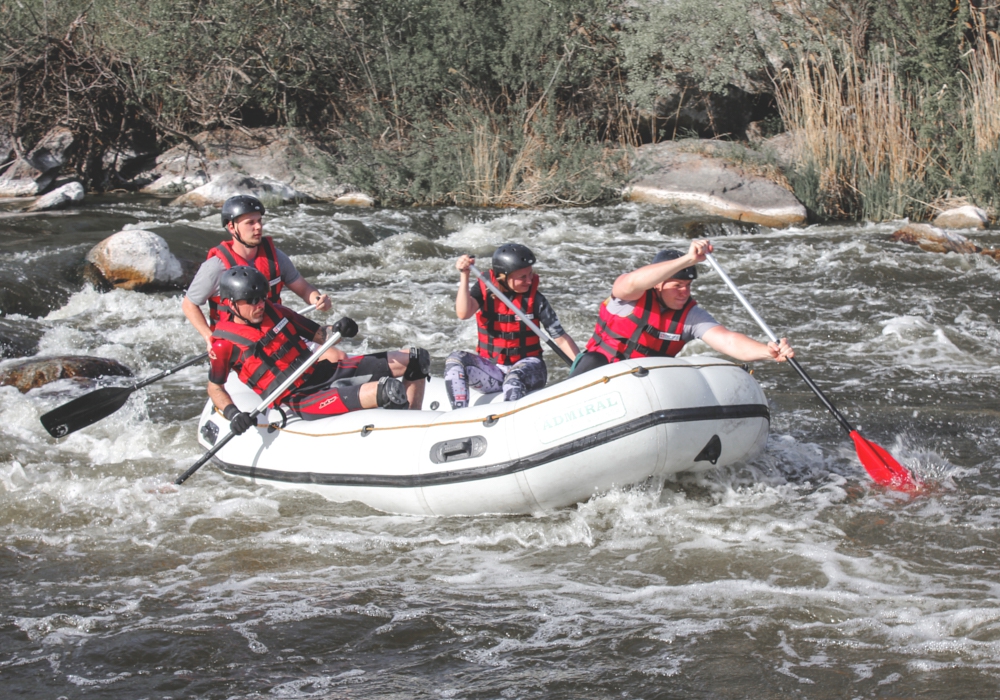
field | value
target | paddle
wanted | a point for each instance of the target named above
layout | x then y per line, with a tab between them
880	465
262	406
88	409
521	315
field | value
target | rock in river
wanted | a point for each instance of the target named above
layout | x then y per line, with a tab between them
699	177
934	240
31	374
59	198
962	217
137	260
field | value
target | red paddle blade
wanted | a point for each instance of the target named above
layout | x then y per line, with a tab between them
882	467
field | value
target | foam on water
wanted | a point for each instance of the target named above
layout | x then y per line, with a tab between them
793	567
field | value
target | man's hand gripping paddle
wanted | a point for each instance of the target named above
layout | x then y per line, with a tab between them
88	409
262	406
521	315
881	466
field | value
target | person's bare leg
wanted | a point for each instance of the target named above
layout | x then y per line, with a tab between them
399	360
368	394
415	393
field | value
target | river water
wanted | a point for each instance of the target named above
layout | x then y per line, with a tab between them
790	576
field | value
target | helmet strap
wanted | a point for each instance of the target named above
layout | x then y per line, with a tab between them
235	232
236	312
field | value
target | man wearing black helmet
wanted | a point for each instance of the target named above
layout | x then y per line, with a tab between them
651	313
510	354
242	217
265	342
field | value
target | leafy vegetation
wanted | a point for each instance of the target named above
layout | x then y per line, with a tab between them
892	106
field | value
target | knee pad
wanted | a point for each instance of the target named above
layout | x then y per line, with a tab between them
419	366
391	394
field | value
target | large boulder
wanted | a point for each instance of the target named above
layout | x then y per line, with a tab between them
59	198
34	373
137	260
31	175
285	158
700	177
962	217
220	188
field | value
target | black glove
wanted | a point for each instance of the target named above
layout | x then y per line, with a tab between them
239	421
346	327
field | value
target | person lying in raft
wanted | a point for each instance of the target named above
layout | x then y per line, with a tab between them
651	313
510	354
265	342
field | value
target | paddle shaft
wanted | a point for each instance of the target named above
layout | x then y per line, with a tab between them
88	409
521	315
770	334
262	406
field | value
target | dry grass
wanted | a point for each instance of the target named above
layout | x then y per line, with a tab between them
983	105
852	125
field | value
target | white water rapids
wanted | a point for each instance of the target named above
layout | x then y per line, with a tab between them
789	576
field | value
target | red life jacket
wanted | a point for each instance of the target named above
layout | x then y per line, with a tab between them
268	353
650	330
266	262
503	338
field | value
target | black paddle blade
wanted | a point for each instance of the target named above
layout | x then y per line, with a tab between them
85	410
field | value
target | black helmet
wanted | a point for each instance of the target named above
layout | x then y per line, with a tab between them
237	206
688	273
510	257
242	283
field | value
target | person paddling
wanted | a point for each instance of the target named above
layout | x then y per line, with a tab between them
242	217
265	342
509	357
651	313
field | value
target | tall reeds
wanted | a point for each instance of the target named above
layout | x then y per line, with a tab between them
983	81
854	143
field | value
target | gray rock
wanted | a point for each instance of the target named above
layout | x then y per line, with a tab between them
283	156
222	187
697	177
962	217
135	259
70	193
31	175
34	373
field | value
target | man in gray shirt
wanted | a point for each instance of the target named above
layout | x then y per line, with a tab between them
242	217
651	313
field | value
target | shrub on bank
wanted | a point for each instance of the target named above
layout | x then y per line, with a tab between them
891	106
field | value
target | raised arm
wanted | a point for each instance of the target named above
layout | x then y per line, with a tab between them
465	305
632	285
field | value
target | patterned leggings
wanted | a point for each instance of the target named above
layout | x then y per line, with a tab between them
463	369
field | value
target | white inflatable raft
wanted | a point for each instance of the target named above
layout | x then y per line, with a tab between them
613	426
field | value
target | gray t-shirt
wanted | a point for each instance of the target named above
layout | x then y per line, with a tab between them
206	282
696	323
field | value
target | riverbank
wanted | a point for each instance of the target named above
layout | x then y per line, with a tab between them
888	111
